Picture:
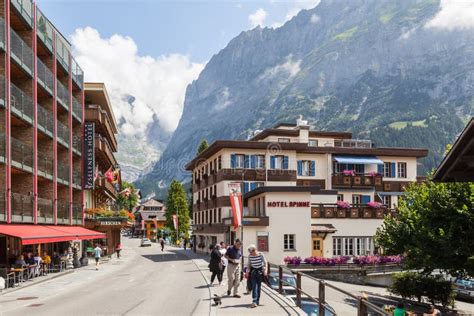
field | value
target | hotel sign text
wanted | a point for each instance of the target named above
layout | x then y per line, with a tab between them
287	204
89	155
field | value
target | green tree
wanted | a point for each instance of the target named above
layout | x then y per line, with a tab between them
202	146
433	228
177	203
128	202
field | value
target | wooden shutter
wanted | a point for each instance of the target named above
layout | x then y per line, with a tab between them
233	160
312	168
300	167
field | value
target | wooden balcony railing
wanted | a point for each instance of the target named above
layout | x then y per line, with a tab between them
354	211
358	181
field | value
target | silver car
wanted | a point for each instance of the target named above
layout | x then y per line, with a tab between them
145	242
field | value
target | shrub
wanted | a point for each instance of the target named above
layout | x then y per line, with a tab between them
123	213
414	285
368	260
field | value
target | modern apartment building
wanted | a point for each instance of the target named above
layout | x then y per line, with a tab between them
296	183
41	123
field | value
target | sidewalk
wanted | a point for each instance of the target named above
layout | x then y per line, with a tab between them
271	303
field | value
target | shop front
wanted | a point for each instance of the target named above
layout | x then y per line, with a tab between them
111	228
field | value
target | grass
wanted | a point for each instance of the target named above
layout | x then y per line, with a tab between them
385	18
403	124
345	35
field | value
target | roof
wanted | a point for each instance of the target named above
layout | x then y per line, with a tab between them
295	133
150	215
313	189
152	202
303	148
323	228
458	164
38	234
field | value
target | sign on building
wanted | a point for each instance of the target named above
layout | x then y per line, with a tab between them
89	155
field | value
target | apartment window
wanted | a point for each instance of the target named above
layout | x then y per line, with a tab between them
306	167
402	169
219	163
237	161
352	246
219	217
283	140
389	169
340	197
387	200
288	242
348	246
259	161
340	167
214	211
356	199
337	246
279	162
313	143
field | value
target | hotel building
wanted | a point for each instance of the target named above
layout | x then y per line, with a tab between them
41	124
293	178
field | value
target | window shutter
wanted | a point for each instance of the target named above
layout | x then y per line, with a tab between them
246	187
253	186
380	168
300	167
253	163
393	169
365	199
233	160
285	162
272	162
312	168
247	161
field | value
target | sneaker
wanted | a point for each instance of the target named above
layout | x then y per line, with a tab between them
237	296
253	305
228	293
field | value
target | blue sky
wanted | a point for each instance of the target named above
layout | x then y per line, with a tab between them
198	29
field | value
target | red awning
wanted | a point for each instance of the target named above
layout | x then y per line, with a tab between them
43	234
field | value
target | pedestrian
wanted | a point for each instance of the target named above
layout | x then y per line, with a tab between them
118	248
224	260
233	256
162	243
215	265
433	311
185	241
257	267
400	310
97	255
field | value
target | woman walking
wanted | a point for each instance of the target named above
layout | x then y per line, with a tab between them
215	265
257	267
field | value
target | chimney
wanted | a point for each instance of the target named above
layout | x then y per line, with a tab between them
303	127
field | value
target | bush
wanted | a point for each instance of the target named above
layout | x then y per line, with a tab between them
414	285
123	213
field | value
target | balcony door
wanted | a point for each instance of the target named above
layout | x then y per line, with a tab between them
317	247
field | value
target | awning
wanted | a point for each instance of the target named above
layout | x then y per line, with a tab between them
390	193
43	234
358	159
323	228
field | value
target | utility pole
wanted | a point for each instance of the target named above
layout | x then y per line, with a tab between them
177	225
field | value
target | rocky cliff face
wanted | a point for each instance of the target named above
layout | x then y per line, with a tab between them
372	67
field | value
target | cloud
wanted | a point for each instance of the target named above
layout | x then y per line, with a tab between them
286	70
454	14
155	87
257	18
315	18
295	7
222	100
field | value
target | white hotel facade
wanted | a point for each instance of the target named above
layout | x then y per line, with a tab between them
292	178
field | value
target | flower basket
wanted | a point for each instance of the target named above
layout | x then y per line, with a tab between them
374	204
348	173
292	260
343	205
373	174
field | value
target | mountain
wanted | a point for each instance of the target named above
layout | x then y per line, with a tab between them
377	68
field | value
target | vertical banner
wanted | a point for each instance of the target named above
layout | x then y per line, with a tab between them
235	196
143	224
89	156
175	221
155	222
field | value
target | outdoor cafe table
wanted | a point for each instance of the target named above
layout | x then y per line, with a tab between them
18	271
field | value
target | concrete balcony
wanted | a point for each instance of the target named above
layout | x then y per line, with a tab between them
76	110
62	134
24	8
62	94
21	207
45	77
45	166
63	173
21	53
21	104
45	211
63	209
45	121
21	155
103	124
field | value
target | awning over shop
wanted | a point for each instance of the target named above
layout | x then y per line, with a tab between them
43	234
390	193
358	159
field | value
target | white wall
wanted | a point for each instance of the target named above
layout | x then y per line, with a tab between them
411	167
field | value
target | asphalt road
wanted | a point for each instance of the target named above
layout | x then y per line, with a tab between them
145	282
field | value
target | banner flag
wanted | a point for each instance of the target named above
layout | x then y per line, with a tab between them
175	221
235	196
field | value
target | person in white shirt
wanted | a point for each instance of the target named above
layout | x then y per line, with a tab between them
224	260
97	255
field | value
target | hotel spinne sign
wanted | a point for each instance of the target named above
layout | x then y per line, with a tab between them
89	155
288	204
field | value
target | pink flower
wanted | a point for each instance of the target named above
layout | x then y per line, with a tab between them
343	204
374	204
374	174
350	173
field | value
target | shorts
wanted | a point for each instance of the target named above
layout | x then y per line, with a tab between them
97	259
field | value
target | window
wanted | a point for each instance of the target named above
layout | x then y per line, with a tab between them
219	162
283	140
340	197
239	161
402	169
262	241
219	217
279	162
306	167
356	199
348	247
337	246
316	244
313	143
389	169
387	200
288	242
259	161
340	167
352	246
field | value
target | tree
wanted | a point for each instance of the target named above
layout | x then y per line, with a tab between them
177	203
129	198
433	228
202	146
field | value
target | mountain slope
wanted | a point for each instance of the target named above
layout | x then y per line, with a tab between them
371	67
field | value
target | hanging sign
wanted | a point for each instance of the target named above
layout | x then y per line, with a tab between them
89	156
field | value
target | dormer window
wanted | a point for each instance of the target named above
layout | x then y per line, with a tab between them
313	143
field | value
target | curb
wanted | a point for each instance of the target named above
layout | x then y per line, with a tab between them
11	290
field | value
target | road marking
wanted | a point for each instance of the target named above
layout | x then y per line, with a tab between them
133	307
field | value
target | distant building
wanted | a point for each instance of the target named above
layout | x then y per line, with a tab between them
307	192
151	218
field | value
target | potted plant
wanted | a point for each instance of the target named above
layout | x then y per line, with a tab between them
374	204
343	204
348	173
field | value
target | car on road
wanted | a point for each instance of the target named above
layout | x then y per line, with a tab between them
311	308
464	289
145	242
289	282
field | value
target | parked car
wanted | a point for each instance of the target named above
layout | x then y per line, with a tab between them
311	308
464	288
145	242
289	282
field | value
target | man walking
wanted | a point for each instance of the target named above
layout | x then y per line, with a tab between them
97	255
233	256
162	243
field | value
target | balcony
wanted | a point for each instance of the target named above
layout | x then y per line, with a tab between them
77	74
45	77
21	53
63	212
354	211
45	166
76	213
25	9
63	95
103	124
77	145
21	207
3	207
104	149
45	211
357	181
22	155
2	148
2	33
106	185
62	134
45	121
77	179
76	110
21	104
62	52
353	143
63	173
44	30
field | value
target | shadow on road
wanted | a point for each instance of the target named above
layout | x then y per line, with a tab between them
165	257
